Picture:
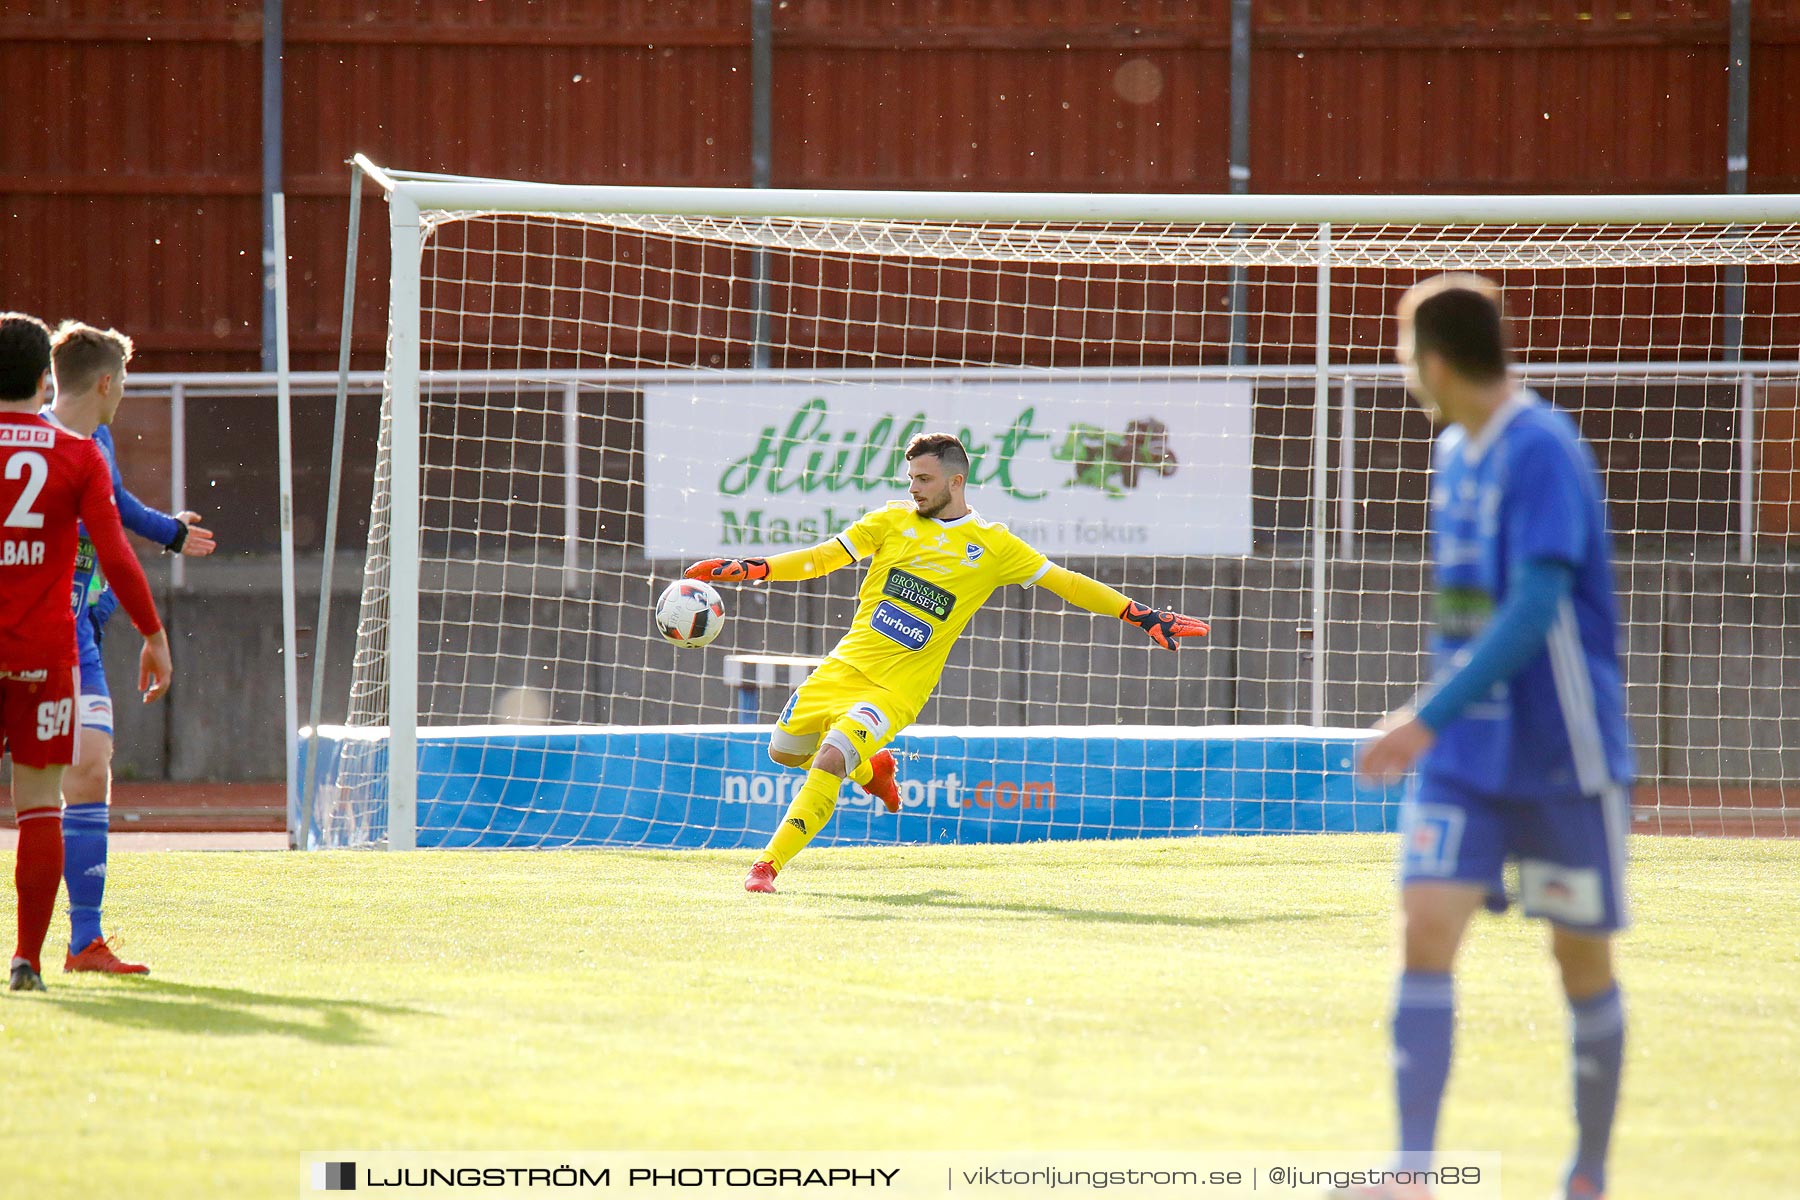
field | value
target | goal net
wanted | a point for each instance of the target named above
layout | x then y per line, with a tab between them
592	387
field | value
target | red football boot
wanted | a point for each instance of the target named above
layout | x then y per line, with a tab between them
98	956
761	878
1580	1187
882	784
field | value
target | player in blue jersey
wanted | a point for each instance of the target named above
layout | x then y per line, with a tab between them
1520	739
89	365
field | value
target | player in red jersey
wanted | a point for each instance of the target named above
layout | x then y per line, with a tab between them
50	479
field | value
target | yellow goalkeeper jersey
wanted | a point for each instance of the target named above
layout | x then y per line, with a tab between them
926	579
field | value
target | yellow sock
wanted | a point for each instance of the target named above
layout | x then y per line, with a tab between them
812	807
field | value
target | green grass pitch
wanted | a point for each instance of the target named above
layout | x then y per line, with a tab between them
1206	994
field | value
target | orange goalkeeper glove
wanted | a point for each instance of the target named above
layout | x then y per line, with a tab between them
1162	625
730	570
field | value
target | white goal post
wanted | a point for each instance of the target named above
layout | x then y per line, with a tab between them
574	373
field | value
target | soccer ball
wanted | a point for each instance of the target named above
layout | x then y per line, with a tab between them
689	613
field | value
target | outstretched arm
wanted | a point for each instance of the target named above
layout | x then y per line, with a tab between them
159	527
810	563
179	534
1163	626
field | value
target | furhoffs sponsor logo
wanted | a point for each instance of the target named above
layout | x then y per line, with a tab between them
893	622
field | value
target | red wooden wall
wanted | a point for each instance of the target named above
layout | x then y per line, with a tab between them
131	164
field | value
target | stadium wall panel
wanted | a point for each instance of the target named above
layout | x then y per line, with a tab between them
701	786
141	119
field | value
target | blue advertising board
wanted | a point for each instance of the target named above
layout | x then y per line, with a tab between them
714	786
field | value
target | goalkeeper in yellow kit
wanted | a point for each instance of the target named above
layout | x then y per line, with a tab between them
934	563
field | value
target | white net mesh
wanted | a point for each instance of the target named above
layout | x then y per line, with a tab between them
608	397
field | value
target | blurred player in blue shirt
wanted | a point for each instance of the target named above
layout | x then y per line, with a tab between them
89	365
1521	741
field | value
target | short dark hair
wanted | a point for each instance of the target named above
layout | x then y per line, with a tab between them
24	355
1458	318
947	448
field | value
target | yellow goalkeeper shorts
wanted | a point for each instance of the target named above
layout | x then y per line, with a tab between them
837	695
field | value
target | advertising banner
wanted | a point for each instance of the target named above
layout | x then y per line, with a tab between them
1075	466
714	786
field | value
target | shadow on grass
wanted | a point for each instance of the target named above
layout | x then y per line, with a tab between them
228	1012
943	898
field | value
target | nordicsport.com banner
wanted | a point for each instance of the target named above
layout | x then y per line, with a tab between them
713	786
1077	467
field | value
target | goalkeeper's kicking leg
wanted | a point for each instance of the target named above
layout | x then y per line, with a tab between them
833	695
826	767
877	774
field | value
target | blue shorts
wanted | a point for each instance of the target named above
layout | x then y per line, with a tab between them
96	697
1571	853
